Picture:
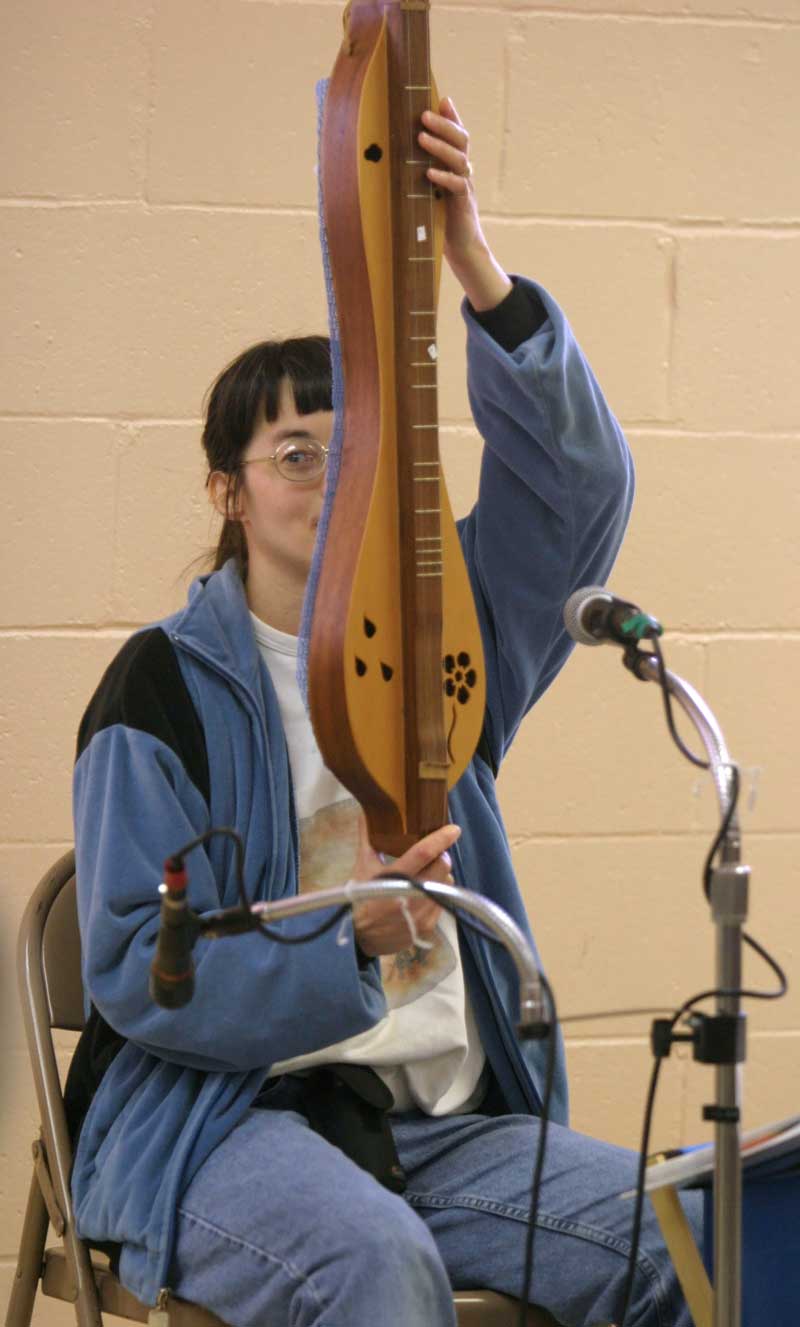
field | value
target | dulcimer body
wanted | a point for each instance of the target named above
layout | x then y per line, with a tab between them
396	677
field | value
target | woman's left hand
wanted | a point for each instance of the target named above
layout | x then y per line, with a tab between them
446	139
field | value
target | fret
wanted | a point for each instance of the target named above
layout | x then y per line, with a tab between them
426	511
423	386
418	427
422	259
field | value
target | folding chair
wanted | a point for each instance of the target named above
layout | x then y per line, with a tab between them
50	984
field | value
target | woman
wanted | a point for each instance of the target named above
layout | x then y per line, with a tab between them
211	1154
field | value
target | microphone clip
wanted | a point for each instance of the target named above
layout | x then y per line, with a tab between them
637	660
639	626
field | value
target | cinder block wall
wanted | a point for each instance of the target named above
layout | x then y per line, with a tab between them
157	204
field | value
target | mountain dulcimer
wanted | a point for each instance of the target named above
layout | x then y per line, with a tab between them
395	667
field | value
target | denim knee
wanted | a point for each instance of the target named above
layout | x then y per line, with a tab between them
392	1267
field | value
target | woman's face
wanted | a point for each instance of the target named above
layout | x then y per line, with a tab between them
280	517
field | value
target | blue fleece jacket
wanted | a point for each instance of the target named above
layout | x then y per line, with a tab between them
555	492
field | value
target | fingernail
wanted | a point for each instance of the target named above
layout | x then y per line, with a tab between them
447	859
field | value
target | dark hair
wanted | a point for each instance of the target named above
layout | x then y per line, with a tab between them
244	394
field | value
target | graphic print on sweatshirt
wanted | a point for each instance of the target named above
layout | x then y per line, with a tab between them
328	847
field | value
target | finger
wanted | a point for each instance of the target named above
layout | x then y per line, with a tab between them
452	131
453	184
444	154
421	854
439	871
447	108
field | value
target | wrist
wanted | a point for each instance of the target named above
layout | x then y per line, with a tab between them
484	282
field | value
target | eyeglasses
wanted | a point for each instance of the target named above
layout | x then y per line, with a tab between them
298	461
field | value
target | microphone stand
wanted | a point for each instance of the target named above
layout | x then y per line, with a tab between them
719	1041
534	1018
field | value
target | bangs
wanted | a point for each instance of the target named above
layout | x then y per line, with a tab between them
306	363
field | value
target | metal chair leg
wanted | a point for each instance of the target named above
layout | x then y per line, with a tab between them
29	1262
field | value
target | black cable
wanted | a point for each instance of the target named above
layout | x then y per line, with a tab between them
549	1075
701	764
644	1147
665	692
776	968
538	1168
249	917
741	993
723	829
303	939
176	859
636	1225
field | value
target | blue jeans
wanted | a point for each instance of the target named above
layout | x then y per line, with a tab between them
280	1229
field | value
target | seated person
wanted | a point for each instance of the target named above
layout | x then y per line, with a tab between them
202	1155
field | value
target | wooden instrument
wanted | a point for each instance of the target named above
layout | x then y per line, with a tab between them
396	673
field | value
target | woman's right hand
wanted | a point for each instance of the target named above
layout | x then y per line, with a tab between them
381	925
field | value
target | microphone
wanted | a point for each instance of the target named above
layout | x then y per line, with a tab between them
592	616
172	968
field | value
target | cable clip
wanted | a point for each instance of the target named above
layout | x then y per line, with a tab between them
343	934
416	939
715	1038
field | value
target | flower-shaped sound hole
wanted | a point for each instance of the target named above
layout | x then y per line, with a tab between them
460	676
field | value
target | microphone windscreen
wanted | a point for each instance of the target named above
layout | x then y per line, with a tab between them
574	610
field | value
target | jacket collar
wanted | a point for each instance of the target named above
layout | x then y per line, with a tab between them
216	625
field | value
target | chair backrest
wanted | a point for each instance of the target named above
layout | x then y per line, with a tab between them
49	971
61	949
49	951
